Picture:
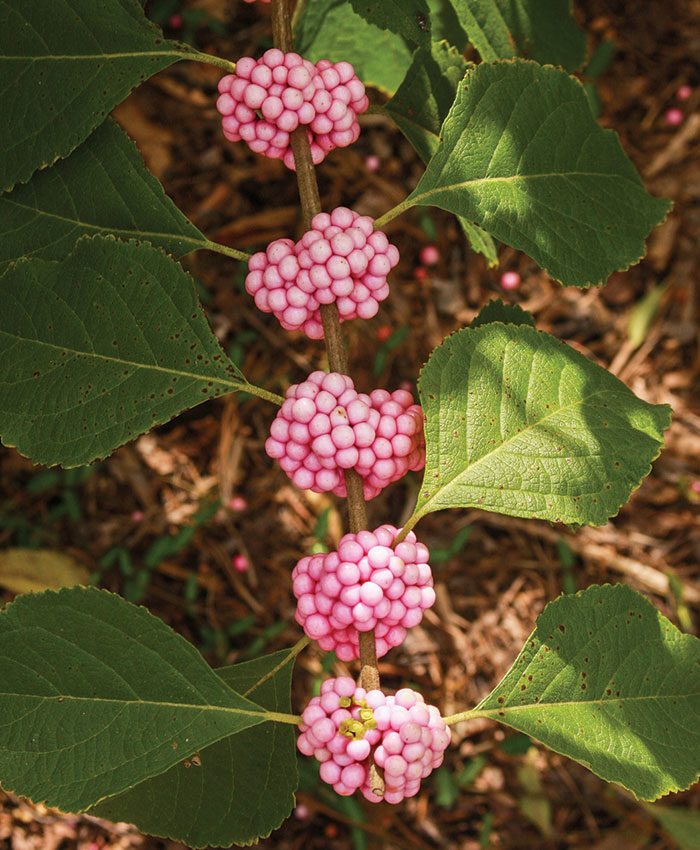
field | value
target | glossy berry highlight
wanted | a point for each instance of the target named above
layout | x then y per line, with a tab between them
364	585
346	727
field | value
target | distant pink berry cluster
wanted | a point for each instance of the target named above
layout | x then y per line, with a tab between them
364	585
325	426
267	99
345	724
342	259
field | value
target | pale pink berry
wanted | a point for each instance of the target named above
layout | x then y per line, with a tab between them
372	163
342	259
510	280
267	99
238	503
364	585
674	116
346	726
684	92
325	427
429	255
241	563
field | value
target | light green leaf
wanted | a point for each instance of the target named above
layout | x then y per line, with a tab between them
642	315
683	825
64	64
102	187
25	570
99	348
419	107
330	29
408	18
497	311
524	158
96	695
240	788
504	29
607	680
519	423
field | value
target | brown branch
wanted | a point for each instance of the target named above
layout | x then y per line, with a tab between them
335	342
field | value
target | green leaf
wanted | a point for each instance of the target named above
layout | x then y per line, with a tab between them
64	64
419	107
607	680
99	348
519	423
444	24
683	825
523	157
102	187
643	314
504	29
330	29
96	695
409	19
497	311
426	94
243	786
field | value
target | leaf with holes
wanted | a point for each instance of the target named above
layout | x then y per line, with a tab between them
235	791
504	29
99	348
522	156
419	107
64	64
330	29
102	187
97	695
607	680
519	423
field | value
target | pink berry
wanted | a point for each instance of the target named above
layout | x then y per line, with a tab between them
695	486
429	255
240	563
674	116
684	92
342	259
175	21
420	273
238	503
510	280
289	91
325	427
364	585
137	516
384	332
372	163
346	726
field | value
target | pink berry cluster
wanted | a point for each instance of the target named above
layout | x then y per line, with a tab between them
342	259
267	99
364	585
346	724
325	426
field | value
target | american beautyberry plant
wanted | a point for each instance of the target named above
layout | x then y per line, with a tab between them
104	708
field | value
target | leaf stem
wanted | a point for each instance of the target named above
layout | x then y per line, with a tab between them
461	716
261	393
207	58
278	717
393	213
410	522
234	253
335	343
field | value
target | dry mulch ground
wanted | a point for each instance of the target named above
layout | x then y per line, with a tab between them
491	591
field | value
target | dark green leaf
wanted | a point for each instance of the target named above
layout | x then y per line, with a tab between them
409	19
64	64
683	825
444	24
504	29
523	157
99	348
519	423
238	789
102	187
607	680
497	311
330	29
96	695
